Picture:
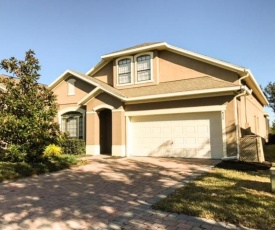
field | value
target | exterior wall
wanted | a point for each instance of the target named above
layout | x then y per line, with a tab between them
105	74
92	134
105	101
81	90
231	138
118	133
252	117
230	128
155	73
174	67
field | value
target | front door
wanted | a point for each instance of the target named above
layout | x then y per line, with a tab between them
105	117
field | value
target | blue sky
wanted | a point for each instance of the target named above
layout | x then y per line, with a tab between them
73	34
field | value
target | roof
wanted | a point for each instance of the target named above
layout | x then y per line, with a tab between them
191	84
241	71
135	47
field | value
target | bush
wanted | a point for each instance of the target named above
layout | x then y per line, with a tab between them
15	153
13	171
52	151
72	146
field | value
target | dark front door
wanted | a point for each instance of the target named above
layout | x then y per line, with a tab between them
105	117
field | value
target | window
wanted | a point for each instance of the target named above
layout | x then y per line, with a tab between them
124	71
143	65
134	70
73	124
71	87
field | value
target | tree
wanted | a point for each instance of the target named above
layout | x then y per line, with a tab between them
27	109
269	92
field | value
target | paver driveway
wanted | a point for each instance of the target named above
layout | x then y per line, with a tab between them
106	194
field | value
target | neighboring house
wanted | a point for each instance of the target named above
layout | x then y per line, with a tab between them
155	99
2	86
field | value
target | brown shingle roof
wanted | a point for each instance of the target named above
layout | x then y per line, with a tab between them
185	85
192	84
102	84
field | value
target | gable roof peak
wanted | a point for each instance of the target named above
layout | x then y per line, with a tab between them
136	48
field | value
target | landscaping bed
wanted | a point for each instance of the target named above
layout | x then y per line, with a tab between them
13	171
234	192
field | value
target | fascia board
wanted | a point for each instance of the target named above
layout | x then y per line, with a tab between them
257	90
64	75
60	78
135	50
97	67
189	93
89	96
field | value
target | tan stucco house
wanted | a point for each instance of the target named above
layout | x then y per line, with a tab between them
155	99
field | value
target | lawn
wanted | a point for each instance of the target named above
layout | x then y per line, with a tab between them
13	171
234	192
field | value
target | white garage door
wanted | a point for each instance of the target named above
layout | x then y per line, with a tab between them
196	135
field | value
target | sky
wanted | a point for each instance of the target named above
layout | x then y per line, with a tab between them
74	34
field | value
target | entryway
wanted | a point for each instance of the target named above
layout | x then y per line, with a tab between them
105	118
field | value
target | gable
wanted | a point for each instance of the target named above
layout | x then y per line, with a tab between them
173	67
105	74
81	89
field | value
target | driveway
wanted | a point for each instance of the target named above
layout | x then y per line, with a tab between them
108	193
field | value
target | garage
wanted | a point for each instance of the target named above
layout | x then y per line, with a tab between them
190	135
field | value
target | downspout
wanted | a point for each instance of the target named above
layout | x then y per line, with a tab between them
242	93
237	123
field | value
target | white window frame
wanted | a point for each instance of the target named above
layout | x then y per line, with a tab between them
132	71
71	87
151	67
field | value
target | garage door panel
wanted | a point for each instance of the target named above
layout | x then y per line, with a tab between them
180	135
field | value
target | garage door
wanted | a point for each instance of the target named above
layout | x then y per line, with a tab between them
197	135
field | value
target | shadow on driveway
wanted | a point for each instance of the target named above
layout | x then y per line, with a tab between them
106	194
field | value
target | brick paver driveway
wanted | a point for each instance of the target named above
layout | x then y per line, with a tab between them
106	194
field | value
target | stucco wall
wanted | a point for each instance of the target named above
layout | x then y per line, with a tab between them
252	119
81	90
173	67
105	74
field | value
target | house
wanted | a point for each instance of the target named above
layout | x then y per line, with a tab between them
155	99
2	86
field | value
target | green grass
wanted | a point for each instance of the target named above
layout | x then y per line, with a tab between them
13	171
233	192
269	152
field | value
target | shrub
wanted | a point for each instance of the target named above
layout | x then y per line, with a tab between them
52	151
15	153
71	146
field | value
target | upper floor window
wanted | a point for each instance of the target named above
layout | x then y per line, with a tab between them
71	87
143	68
124	71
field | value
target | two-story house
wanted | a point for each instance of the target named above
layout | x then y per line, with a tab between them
155	99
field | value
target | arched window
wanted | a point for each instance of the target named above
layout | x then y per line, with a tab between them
72	122
124	71
143	68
